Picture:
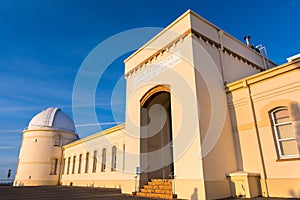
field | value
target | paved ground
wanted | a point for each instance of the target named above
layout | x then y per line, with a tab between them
76	193
62	193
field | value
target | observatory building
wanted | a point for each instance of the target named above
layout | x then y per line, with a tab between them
207	117
41	152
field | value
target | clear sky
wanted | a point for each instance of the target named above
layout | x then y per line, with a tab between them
43	43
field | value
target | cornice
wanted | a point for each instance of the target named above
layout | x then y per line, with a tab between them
48	130
201	37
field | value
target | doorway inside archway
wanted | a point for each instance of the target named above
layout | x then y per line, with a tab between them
156	150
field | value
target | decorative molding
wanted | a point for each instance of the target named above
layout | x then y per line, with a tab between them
290	104
149	93
160	52
48	130
193	33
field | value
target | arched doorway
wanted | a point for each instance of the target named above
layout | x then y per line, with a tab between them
156	150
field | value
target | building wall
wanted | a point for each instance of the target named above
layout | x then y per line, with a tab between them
214	121
122	177
185	128
250	104
199	44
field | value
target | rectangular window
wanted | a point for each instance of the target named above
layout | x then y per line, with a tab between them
74	162
95	161
68	167
87	162
54	163
114	158
79	164
57	140
103	166
285	138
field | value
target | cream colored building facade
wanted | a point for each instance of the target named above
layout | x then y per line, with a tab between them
205	114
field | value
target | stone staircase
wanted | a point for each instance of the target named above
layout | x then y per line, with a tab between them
158	188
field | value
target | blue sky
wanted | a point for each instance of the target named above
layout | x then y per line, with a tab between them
43	43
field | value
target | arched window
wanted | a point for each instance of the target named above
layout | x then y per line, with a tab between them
57	140
63	166
285	138
68	167
79	163
87	162
54	163
73	166
114	158
103	166
95	161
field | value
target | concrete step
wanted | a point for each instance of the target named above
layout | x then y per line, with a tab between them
161	181
147	190
157	188
154	187
163	191
154	195
157	191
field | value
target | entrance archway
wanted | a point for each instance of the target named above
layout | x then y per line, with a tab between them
156	150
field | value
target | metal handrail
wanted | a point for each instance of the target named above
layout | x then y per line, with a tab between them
172	176
137	175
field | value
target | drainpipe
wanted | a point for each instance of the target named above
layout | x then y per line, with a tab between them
246	85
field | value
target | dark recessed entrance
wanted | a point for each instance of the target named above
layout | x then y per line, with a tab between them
156	158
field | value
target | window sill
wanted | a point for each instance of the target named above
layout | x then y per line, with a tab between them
287	159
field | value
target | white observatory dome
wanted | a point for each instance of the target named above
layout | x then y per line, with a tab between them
52	118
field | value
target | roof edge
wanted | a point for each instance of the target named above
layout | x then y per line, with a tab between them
189	11
286	67
96	135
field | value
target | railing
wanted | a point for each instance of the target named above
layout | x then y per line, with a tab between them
136	176
172	176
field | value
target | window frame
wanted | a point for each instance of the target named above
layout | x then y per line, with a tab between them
103	163
57	140
87	155
68	165
279	140
95	161
54	166
63	166
79	163
114	158
73	165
